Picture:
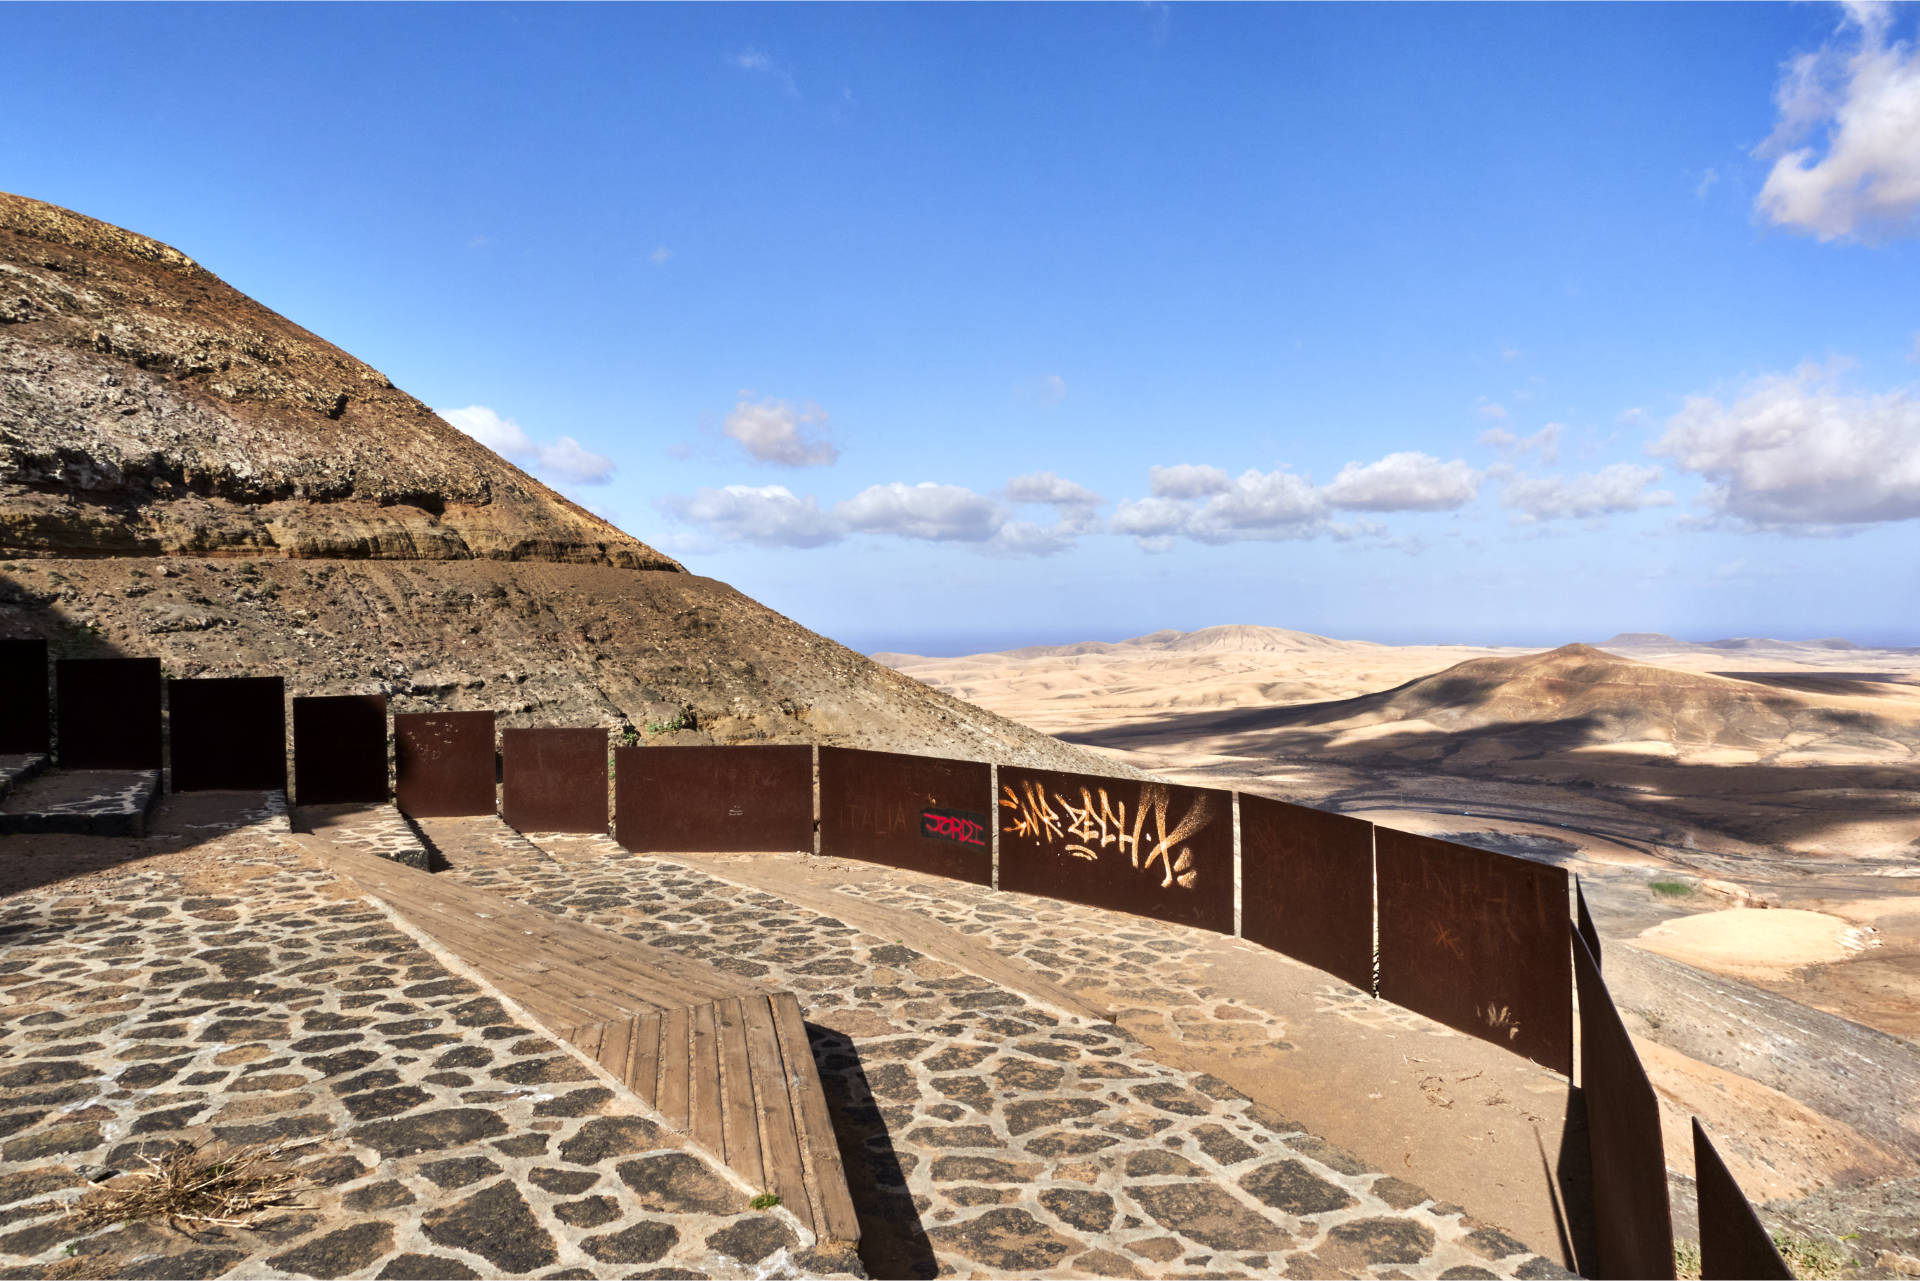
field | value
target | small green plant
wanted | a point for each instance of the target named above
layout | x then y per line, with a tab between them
1811	1259
765	1201
680	722
1670	889
1686	1261
629	737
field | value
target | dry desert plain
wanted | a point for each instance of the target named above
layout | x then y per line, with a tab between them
1744	816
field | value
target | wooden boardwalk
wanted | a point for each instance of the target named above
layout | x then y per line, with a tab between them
721	1060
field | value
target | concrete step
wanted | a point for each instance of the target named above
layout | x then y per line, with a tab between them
103	802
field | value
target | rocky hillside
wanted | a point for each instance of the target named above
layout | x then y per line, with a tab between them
185	473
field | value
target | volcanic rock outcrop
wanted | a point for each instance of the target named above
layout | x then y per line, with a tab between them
185	473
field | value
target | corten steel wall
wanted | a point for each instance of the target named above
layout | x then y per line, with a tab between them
919	812
25	707
1477	941
1306	886
1583	919
720	799
340	749
227	731
1632	1221
554	780
1733	1241
1149	848
443	763
108	711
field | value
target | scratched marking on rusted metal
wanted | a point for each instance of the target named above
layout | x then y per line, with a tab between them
1153	849
1477	941
924	813
340	749
1632	1219
443	763
1306	886
713	799
227	731
1733	1241
108	713
554	780
26	707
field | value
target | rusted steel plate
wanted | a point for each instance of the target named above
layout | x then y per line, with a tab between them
227	731
443	763
1632	1220
713	799
554	780
1733	1241
1584	919
340	749
1477	941
108	713
1153	849
1306	886
924	813
26	723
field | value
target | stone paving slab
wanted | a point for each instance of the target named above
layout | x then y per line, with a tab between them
376	829
986	1135
237	993
92	802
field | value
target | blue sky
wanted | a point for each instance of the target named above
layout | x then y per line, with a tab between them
955	327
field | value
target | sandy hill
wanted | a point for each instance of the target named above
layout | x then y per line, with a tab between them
1581	699
185	473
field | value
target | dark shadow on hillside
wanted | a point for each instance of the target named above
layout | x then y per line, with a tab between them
893	1242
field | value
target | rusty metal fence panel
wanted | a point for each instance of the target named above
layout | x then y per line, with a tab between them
554	780
1733	1241
1583	919
923	813
1152	849
1306	886
108	713
340	749
1632	1218
443	763
1477	941
26	708
227	732
713	799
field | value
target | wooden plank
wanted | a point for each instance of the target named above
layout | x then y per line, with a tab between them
818	1145
703	1082
643	1068
736	1077
587	1037
773	1104
672	1103
613	1049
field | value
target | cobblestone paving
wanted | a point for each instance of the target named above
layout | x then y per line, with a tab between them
986	1135
236	994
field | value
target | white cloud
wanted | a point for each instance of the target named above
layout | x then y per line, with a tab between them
1862	92
772	432
1492	411
769	515
1545	442
1053	389
1796	450
937	513
760	62
1622	487
1260	505
1153	518
1707	179
659	255
1404	482
1187	480
563	460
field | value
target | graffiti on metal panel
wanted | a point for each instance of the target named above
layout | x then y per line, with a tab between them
962	826
1099	823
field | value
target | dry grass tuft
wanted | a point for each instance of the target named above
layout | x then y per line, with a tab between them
197	1187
